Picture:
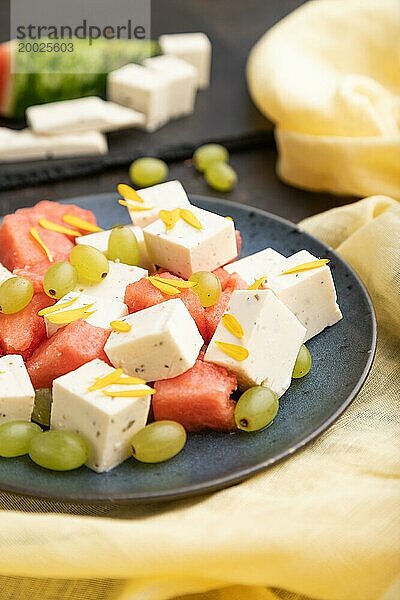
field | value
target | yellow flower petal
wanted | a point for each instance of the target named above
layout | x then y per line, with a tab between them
179	283
170	217
232	325
233	351
131	393
64	317
128	193
135	207
35	234
50	226
313	264
120	326
190	218
129	381
102	382
56	307
164	287
81	224
258	283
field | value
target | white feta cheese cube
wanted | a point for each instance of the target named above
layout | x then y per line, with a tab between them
195	48
267	262
166	196
103	312
25	145
81	115
17	395
163	342
113	287
272	335
4	273
310	295
108	424
22	145
185	249
142	89
100	239
73	144
182	83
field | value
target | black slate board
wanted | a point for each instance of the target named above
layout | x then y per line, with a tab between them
224	113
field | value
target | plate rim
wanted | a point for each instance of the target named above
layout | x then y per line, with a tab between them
238	477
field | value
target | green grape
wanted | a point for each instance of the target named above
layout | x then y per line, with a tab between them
148	171
208	287
91	265
303	363
158	441
221	177
123	246
60	279
256	408
205	155
16	436
59	450
15	295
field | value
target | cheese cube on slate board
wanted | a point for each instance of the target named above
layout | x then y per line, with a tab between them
17	395
310	295
114	285
25	145
142	89
4	274
166	196
107	423
103	312
163	342
74	144
81	115
182	78
260	264
186	249
272	336
195	48
100	239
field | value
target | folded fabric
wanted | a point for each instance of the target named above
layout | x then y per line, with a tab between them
328	75
322	524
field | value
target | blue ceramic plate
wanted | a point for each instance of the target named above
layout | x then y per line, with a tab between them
342	357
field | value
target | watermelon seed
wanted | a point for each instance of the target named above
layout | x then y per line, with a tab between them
52	292
103	275
244	422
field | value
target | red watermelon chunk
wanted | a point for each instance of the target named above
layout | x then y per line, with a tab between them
198	399
223	276
142	294
213	314
17	247
231	281
23	332
68	349
35	274
53	211
235	282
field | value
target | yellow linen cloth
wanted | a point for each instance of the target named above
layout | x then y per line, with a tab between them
324	524
328	76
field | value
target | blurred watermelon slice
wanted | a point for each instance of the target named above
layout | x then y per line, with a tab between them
30	78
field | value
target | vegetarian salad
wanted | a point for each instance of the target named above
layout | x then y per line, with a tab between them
122	341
